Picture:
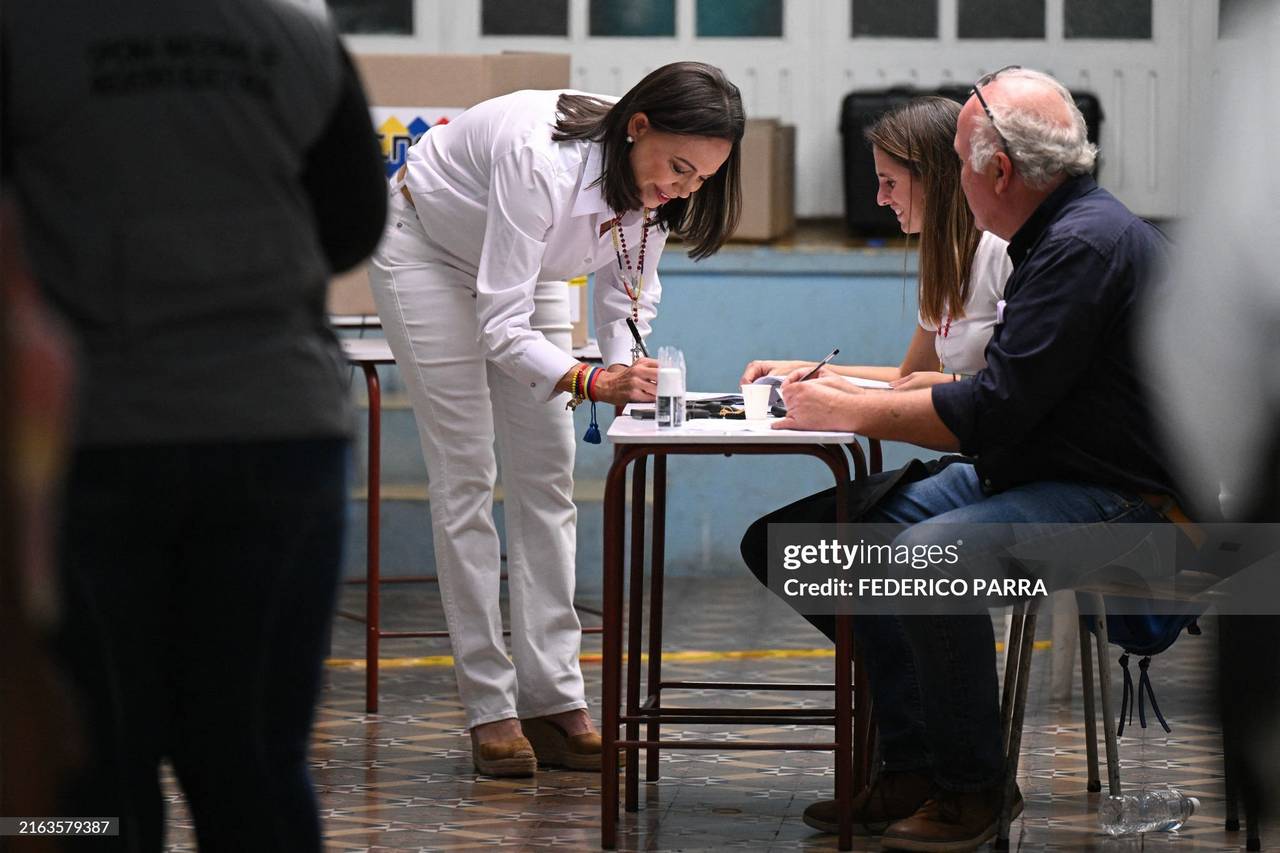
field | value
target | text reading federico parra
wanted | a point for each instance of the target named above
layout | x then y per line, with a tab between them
832	552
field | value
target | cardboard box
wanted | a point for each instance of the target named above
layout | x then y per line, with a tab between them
768	180
410	93
349	293
456	80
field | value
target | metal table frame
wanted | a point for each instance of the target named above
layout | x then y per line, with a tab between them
850	716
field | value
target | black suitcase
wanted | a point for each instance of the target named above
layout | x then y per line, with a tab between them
863	217
1091	109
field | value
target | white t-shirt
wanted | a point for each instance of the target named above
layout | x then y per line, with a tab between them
962	344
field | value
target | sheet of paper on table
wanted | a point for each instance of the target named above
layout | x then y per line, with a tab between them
868	383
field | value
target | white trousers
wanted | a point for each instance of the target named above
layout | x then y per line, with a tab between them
463	404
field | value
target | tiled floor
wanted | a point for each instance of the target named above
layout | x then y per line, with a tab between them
402	779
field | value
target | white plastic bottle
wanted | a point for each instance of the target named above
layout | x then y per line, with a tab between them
678	407
1149	811
669	407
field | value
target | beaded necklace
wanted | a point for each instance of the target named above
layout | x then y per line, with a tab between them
632	280
944	332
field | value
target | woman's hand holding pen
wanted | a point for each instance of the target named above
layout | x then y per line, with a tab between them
808	369
756	369
622	384
801	373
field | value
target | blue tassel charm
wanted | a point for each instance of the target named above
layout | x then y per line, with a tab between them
592	435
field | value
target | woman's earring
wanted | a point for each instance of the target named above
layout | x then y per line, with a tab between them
630	139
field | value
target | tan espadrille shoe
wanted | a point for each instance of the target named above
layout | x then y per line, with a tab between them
512	757
557	748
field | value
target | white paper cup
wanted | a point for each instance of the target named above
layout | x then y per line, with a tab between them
755	400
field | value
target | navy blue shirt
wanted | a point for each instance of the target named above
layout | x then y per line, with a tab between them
1062	396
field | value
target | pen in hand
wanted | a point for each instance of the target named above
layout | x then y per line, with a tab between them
635	333
835	352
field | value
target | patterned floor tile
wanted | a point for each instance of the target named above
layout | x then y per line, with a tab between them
403	780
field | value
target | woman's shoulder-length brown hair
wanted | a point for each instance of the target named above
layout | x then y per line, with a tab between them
690	98
919	135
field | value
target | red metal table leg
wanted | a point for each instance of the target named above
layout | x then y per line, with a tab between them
611	663
635	617
373	631
847	752
656	571
877	455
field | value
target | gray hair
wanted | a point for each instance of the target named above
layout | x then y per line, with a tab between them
1041	149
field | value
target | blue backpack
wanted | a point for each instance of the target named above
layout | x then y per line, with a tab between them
1140	632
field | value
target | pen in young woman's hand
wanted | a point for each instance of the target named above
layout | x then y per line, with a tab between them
835	352
635	333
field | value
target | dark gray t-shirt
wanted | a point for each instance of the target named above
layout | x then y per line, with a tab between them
182	171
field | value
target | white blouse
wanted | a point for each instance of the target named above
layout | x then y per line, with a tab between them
962	344
504	203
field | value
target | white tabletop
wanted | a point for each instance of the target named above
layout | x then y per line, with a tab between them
590	351
377	351
628	430
355	321
367	351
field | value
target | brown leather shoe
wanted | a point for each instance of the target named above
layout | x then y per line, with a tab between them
513	757
950	822
892	796
557	748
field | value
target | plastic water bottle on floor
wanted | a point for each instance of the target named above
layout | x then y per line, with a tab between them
1147	811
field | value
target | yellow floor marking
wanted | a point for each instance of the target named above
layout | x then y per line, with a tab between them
668	657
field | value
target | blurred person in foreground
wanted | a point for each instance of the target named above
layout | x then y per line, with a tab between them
189	175
39	737
1210	341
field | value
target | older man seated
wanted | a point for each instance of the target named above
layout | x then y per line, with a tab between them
1058	429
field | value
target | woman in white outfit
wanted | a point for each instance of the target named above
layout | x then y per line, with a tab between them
962	270
490	215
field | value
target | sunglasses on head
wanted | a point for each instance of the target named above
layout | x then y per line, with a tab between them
984	80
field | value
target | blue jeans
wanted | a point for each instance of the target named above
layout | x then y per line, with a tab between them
933	678
198	585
